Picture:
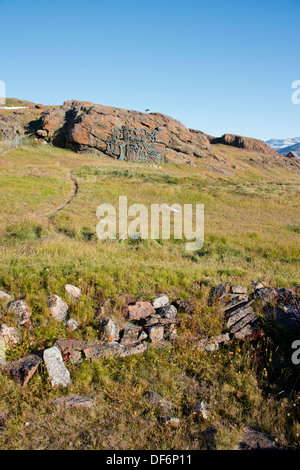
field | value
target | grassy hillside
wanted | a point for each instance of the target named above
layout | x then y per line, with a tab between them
252	224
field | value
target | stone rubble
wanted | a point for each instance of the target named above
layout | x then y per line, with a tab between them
73	292
58	308
20	310
146	322
56	369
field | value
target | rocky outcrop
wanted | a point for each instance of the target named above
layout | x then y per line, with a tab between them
246	143
122	134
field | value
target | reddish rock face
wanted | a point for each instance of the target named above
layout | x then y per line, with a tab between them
251	145
122	134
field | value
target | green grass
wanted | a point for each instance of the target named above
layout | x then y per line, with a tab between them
251	232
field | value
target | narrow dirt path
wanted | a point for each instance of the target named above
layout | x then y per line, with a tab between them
52	214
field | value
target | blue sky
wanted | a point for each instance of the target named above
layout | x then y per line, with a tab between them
217	66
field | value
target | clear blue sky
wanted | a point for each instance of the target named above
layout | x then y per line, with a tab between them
218	66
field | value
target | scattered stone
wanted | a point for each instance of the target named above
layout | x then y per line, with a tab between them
102	349
254	439
156	333
58	308
132	333
170	311
23	369
109	330
237	315
4	296
200	410
132	349
247	330
239	301
223	338
76	357
72	291
68	346
73	401
266	295
56	368
161	301
157	320
10	335
72	324
256	285
251	317
171	334
138	310
238	290
20	309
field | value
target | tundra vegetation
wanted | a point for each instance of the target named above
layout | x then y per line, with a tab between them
48	200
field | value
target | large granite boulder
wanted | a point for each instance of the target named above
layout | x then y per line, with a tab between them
122	134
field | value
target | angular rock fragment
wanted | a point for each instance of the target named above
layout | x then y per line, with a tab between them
56	368
156	333
132	349
72	291
157	320
243	322
73	401
200	410
68	346
247	330
132	333
256	285
58	308
4	296
102	349
238	290
223	338
161	301
72	324
10	334
237	315
20	310
23	369
170	311
138	310
109	330
235	303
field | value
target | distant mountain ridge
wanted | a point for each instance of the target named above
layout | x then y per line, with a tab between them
282	144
